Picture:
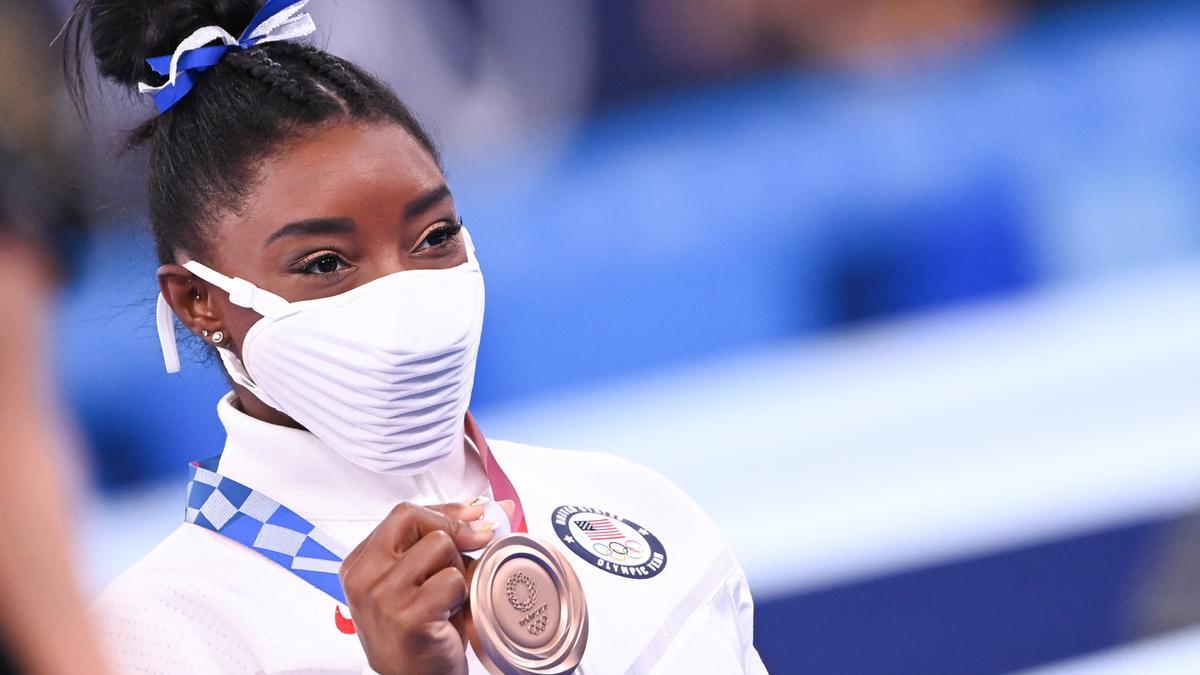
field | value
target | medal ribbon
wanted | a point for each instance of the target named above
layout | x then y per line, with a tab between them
502	487
250	518
253	519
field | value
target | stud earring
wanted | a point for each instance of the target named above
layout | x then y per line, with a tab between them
204	332
218	337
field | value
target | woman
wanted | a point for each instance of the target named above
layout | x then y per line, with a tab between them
306	232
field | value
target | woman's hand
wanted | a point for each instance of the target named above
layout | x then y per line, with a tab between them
406	584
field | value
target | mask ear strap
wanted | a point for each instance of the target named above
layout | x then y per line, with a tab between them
241	292
238	373
166	334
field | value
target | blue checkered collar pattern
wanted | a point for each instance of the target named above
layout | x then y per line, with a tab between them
253	519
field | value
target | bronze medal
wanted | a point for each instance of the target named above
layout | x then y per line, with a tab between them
527	613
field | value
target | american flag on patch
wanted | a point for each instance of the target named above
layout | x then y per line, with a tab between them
599	529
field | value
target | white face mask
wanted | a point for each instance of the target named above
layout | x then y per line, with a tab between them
381	373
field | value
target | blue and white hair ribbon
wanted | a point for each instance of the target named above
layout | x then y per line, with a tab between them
277	20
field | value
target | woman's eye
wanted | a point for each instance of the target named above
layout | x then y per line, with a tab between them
439	236
326	264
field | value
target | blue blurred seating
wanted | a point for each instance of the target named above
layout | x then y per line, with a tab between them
730	218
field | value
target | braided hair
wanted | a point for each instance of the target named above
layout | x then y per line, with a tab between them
203	151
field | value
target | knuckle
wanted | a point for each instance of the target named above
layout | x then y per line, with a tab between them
441	540
448	575
402	510
376	594
458	585
350	580
356	596
453	579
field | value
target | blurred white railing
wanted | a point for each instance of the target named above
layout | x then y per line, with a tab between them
887	447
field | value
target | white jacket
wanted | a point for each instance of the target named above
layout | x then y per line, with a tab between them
201	603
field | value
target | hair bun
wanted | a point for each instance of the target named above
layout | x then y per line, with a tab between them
124	33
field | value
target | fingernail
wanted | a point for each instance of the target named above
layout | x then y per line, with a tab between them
482	525
479	501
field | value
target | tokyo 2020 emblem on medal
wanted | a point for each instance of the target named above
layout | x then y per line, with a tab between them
609	542
528	614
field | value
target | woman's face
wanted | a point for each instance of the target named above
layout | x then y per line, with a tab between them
339	207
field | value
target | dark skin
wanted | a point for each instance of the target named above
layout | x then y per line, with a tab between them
369	183
338	207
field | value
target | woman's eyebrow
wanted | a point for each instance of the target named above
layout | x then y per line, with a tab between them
313	226
425	201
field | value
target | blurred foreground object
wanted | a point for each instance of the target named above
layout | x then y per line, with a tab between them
44	628
41	610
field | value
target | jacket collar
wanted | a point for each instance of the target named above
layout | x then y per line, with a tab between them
298	470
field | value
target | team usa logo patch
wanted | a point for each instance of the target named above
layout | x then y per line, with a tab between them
612	543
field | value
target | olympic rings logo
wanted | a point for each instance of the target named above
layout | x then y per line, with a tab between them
617	552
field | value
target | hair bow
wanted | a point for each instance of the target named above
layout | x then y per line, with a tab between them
277	20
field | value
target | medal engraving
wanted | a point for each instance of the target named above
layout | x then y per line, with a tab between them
527	613
521	604
526	603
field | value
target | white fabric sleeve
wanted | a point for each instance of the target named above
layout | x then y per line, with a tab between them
711	631
743	603
164	632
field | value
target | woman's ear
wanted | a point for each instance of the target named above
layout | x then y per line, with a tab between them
191	299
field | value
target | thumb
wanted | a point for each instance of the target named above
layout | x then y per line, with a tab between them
459	511
466	524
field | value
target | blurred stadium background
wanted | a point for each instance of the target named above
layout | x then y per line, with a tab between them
904	292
